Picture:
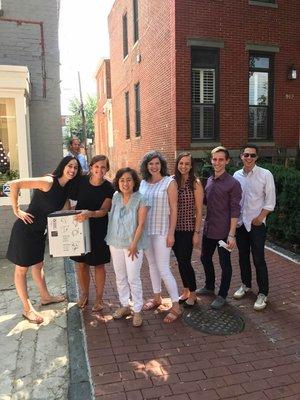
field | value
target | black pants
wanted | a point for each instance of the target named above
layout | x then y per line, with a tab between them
253	241
183	248
208	249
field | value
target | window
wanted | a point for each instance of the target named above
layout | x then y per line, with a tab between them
204	94
135	20
125	36
137	109
127	115
260	96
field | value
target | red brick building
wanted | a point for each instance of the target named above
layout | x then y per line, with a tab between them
191	75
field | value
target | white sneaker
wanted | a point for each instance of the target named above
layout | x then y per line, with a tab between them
241	292
261	302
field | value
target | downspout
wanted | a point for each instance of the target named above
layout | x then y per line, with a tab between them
42	44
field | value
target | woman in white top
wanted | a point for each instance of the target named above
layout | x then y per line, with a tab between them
160	191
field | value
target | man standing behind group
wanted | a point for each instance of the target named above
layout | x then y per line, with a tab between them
258	201
222	197
74	150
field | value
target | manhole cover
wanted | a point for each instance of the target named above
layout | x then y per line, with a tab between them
215	322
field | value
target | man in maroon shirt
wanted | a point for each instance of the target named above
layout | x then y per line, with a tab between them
222	197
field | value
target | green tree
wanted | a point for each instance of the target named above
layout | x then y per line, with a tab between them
75	119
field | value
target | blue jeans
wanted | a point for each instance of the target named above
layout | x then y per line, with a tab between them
254	242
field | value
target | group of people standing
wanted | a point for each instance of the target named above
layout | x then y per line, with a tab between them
129	217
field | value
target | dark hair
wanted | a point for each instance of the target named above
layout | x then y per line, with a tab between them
100	157
72	185
220	148
59	170
192	176
147	158
251	146
134	175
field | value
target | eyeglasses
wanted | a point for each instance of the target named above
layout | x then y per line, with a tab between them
252	155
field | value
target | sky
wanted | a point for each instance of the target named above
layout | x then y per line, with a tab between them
83	40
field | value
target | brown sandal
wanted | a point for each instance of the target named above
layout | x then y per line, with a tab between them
83	301
172	316
32	317
150	305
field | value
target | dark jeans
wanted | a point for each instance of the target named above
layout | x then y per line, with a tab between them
183	248
208	249
253	241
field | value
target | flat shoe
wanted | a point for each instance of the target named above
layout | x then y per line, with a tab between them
54	300
187	305
172	316
121	312
35	320
182	301
98	306
150	305
137	320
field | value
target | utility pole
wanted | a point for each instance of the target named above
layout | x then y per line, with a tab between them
83	118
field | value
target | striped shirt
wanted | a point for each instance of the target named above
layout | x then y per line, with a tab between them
186	208
156	196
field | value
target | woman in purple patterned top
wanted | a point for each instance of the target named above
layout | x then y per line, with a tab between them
189	216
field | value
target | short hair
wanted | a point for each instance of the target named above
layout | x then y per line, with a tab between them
134	175
100	157
218	149
251	146
192	175
72	140
147	158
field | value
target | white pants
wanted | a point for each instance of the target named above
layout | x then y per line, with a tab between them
158	256
128	277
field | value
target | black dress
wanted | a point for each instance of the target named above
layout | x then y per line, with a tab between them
27	241
91	198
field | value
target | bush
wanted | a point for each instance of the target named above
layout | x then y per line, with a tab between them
284	221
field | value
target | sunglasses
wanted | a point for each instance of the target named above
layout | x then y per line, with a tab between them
252	155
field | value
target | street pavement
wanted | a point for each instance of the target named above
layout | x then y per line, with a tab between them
34	360
176	362
156	361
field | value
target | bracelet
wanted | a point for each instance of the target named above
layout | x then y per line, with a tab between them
197	232
231	236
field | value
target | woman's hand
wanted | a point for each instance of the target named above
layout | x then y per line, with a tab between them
170	240
133	251
24	216
83	216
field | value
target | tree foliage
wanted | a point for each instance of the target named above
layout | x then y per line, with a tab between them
75	119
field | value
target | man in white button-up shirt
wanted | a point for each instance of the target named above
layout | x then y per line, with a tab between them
258	200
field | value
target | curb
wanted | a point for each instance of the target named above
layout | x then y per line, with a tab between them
289	255
80	386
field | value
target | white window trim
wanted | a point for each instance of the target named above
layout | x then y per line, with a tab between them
14	84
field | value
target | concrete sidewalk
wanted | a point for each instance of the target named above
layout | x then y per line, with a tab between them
176	362
34	359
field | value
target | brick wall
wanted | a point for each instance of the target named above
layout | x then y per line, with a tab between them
165	72
238	23
154	72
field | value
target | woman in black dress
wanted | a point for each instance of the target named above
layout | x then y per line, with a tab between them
94	197
27	241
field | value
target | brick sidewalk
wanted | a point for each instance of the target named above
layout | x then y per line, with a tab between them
175	362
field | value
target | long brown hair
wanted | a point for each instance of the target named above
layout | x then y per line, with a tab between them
192	176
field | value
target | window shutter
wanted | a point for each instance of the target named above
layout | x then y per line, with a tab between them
203	99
